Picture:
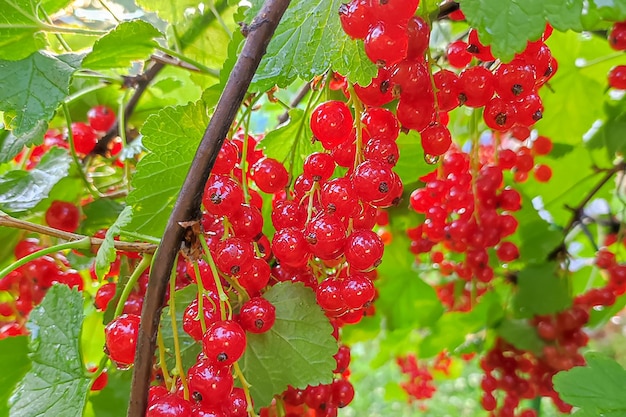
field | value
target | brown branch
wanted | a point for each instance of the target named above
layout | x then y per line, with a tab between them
140	83
175	62
187	207
294	103
8	221
578	212
446	9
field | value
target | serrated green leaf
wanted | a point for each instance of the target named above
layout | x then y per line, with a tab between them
19	35
298	350
189	348
99	214
171	137
291	143
597	388
129	41
31	89
11	145
541	291
309	40
520	334
508	25
106	254
15	363
411	165
56	385
20	191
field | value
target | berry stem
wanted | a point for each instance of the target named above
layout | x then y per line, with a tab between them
84	243
180	371
358	110
166	376
200	316
132	280
246	389
79	166
216	277
294	103
122	119
244	158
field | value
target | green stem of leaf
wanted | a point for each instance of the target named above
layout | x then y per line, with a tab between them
358	110
244	159
134	277
218	17
84	243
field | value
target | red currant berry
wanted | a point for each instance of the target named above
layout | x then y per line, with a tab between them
104	295
121	338
169	405
63	216
436	139
326	236
257	315
290	247
356	291
101	118
331	123
191	319
224	342
355	18
364	250
210	385
386	43
233	254
617	77
270	175
85	138
222	195
319	166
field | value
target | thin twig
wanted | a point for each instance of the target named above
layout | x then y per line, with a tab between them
578	211
294	103
8	221
187	206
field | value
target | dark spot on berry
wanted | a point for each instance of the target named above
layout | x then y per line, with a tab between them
473	49
216	198
538	115
258	323
383	187
234	270
517	89
311	238
197	397
501	119
222	357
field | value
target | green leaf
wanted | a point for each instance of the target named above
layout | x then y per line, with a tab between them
298	350
508	25
520	334
411	165
537	238
15	363
541	291
611	133
309	40
19	36
106	254
597	388
189	348
291	143
112	401
171	137
20	191
172	11
31	89
56	385
129	41
612	10
405	300
573	80
99	214
11	145
445	334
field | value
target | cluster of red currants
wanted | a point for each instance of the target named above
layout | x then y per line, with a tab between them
27	285
85	137
617	40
